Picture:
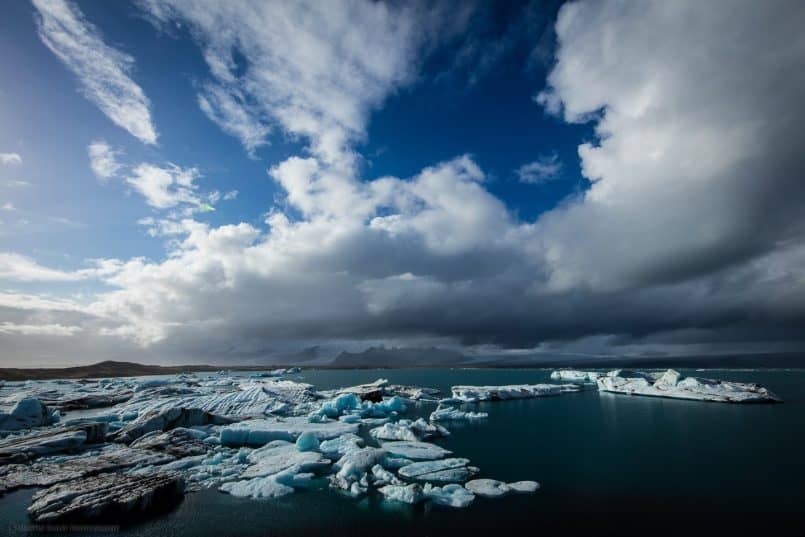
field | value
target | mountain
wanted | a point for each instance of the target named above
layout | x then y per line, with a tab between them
398	357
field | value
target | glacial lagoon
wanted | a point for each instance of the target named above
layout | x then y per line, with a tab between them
606	463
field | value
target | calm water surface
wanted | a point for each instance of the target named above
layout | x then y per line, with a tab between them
608	464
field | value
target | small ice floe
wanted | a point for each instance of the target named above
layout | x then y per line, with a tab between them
470	394
452	495
447	413
415	451
452	470
492	488
409	430
671	384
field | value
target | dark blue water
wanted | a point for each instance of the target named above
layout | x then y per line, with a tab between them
608	464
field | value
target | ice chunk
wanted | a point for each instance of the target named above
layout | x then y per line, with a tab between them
417	451
669	385
403	493
166	420
572	375
106	497
341	445
257	488
353	468
408	430
451	413
517	391
258	432
443	471
307	441
450	495
487	488
26	414
381	476
63	439
524	486
280	456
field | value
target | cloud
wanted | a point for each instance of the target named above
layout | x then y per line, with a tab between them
545	168
8	206
315	69
20	268
10	158
690	236
103	160
102	70
39	330
695	168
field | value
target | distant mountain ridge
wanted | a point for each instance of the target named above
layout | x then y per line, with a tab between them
398	357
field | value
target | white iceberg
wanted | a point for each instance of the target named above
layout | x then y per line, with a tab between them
524	486
258	432
671	385
442	471
448	413
409	430
403	493
572	375
452	495
472	394
417	451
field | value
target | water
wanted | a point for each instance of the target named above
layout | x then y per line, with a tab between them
608	464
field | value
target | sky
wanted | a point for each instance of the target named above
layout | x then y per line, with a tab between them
221	182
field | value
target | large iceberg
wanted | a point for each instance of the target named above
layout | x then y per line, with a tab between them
473	394
27	413
572	375
442	471
671	384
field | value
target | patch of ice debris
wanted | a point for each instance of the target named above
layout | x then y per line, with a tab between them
471	394
492	488
403	493
452	495
448	413
409	430
350	405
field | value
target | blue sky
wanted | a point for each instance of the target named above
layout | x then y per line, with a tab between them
498	178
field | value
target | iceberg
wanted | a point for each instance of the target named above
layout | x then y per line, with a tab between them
341	445
524	486
443	413
408	430
487	488
257	488
106	497
442	471
671	385
165	420
450	495
417	451
471	394
63	439
403	493
353	470
572	375
27	414
258	432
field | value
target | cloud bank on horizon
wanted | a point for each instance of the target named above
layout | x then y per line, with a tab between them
688	236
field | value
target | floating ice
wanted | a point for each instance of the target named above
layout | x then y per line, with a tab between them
258	432
487	488
353	468
443	471
403	493
670	385
408	430
26	414
307	441
341	445
450	495
417	451
572	375
451	413
260	487
524	486
517	391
